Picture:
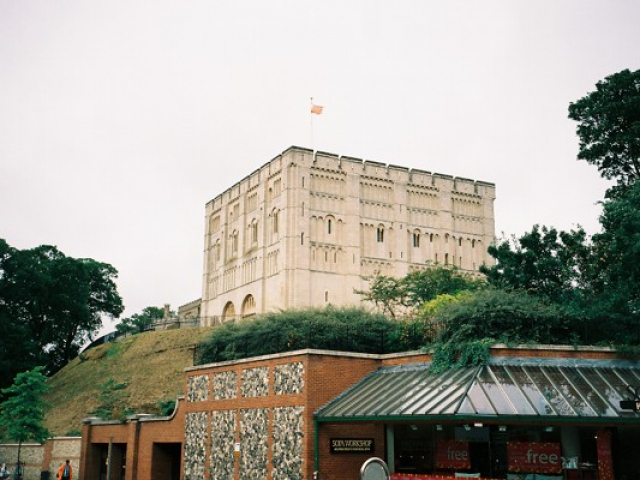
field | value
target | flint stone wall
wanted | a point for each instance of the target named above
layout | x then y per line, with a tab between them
223	427
288	378
253	443
255	382
225	385
288	434
198	388
195	445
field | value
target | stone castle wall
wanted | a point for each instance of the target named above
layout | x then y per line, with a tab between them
306	228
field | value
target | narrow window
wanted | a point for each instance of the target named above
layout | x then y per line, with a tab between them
446	259
302	238
329	226
416	240
326	296
380	235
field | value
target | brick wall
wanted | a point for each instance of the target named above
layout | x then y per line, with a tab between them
38	458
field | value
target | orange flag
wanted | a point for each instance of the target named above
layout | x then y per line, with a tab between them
317	109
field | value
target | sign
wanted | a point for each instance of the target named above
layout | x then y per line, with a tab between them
351	445
605	465
630	405
453	454
534	457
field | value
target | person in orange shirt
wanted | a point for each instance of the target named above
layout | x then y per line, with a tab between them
65	472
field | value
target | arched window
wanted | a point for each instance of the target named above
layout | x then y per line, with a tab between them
248	306
446	259
416	239
254	232
234	243
329	226
228	312
380	234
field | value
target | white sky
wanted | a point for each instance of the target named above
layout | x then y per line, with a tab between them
119	120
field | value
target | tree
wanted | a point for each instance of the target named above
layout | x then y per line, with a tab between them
393	295
54	302
544	262
112	401
139	322
618	253
609	127
22	413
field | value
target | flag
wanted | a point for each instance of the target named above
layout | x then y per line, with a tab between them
317	109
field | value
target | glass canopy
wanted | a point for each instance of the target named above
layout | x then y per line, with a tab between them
516	388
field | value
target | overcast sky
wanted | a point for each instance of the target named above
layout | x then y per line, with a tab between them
119	120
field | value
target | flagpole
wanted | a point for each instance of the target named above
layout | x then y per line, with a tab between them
311	115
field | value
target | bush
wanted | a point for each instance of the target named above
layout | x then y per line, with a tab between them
331	328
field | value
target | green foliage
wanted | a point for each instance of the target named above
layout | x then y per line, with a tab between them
166	407
542	262
22	412
393	295
50	304
347	329
471	353
609	127
139	322
73	433
112	401
618	253
470	325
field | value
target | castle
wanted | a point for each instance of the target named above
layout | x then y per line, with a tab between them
307	228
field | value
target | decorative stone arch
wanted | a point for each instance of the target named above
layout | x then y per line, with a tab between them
416	238
380	233
228	312
331	225
248	306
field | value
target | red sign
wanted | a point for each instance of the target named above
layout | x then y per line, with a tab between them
534	457
453	454
605	467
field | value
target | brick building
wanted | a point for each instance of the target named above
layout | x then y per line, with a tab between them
289	415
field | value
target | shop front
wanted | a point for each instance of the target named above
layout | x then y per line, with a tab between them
514	418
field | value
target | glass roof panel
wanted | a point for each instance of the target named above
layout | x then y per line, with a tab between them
536	397
480	401
514	394
589	391
550	392
495	392
562	379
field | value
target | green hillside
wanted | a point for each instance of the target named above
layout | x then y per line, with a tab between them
151	364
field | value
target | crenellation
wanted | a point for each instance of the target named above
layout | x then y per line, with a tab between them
297	234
